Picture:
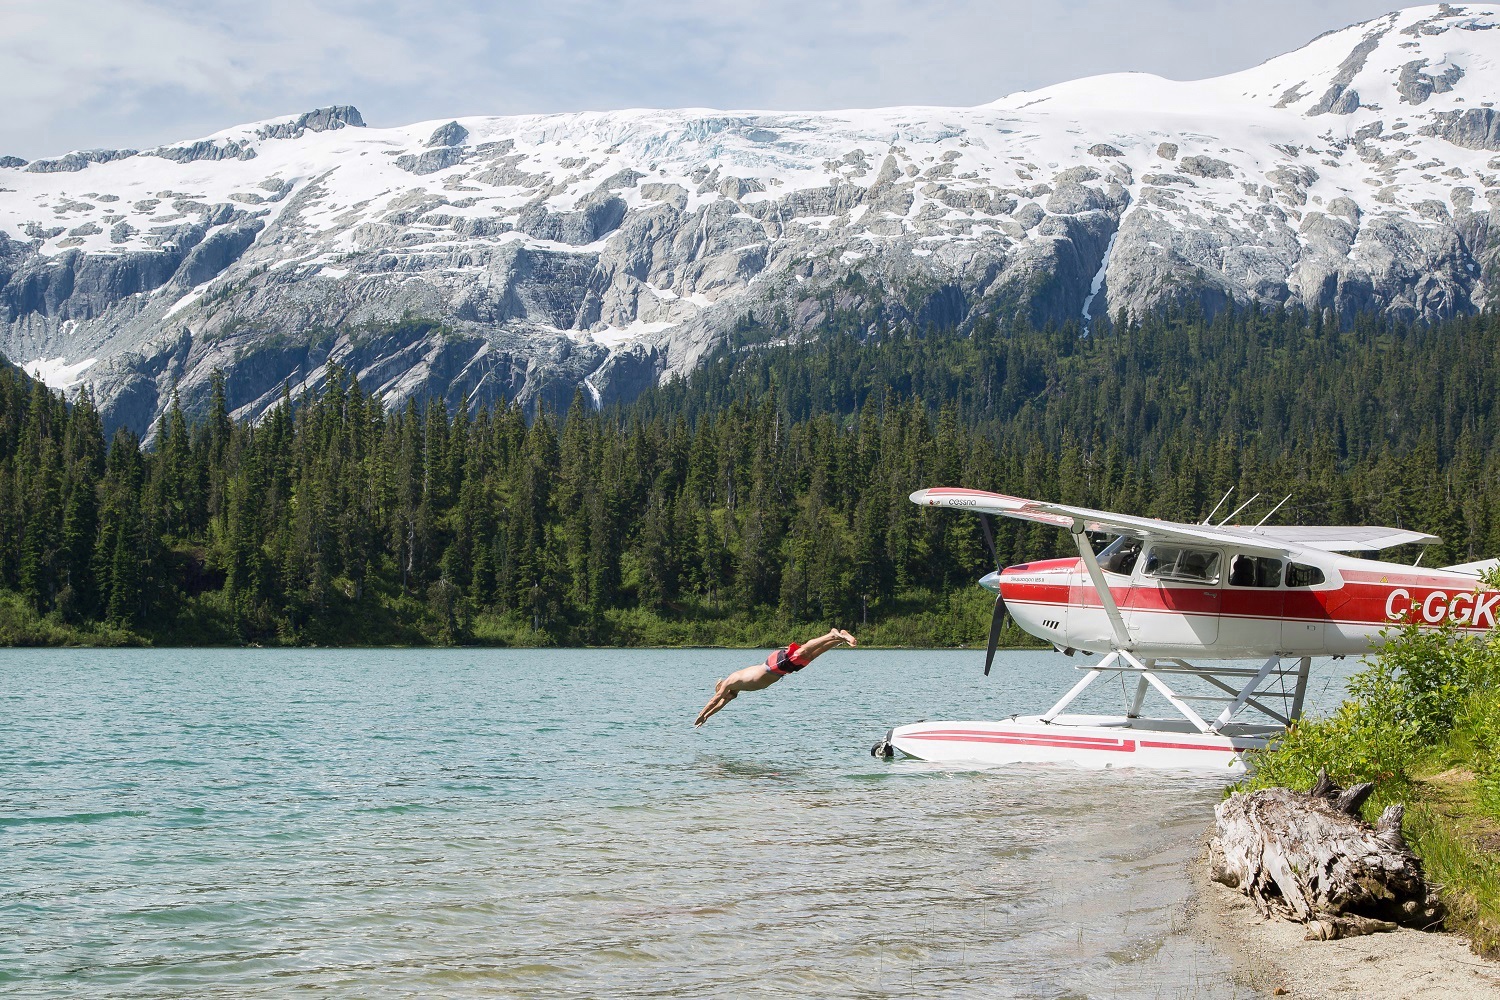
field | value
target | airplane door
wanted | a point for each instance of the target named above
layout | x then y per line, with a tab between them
1176	597
1305	627
1251	613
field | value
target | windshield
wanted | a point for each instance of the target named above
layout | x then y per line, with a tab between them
1120	555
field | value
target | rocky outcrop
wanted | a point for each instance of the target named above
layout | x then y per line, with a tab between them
77	161
216	253
1474	128
1415	85
206	149
451	134
320	120
1340	98
430	161
1206	166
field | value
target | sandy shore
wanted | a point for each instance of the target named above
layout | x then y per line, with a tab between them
1271	955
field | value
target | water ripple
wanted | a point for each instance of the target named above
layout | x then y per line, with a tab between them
532	824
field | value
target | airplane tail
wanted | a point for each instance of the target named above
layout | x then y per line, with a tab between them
1474	569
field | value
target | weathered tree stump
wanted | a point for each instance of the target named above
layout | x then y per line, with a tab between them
1310	858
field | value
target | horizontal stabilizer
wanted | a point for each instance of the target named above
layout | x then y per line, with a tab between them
1344	538
1474	569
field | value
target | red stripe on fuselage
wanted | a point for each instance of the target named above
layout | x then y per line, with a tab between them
1356	602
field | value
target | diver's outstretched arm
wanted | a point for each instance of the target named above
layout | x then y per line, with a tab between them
748	679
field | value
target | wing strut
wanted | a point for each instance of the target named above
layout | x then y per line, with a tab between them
1122	638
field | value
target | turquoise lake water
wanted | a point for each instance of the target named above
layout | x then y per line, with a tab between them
366	823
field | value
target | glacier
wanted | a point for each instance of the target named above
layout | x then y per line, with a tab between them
531	257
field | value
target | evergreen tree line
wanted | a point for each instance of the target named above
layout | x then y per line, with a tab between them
771	484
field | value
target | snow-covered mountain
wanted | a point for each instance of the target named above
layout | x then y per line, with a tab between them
526	256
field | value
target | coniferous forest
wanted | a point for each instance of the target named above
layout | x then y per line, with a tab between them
762	495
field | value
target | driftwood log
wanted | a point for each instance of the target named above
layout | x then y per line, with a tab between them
1309	857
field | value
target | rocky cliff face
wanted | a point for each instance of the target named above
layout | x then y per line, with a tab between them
526	257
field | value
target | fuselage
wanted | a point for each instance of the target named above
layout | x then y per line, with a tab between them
1204	602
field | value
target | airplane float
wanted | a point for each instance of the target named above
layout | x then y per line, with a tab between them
1162	602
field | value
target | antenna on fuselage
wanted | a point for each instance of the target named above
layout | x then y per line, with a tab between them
1272	511
1237	510
1211	513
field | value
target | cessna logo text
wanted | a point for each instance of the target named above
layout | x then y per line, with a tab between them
1468	608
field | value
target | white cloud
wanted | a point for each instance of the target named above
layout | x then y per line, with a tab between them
69	63
141	72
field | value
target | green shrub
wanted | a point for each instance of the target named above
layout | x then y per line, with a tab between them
1424	676
1362	741
20	625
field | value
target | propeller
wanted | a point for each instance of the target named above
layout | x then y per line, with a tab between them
992	582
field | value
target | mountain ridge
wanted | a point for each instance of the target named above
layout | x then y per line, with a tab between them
530	256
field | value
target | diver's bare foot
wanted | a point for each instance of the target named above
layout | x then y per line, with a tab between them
846	636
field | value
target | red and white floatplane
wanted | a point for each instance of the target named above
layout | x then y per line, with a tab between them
1166	604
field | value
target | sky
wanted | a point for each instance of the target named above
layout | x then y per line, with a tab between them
82	74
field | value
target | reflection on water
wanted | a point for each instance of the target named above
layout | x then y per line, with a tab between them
528	824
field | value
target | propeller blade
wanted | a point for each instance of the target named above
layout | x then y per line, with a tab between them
997	621
992	581
989	539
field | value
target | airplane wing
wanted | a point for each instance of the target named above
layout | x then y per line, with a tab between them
1064	516
1345	538
982	502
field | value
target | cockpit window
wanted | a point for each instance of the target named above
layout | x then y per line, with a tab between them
1120	555
1254	571
1298	575
1171	562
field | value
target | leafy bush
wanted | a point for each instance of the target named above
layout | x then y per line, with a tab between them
1362	741
1423	677
20	625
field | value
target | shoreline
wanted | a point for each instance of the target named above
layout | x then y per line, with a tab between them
1271	955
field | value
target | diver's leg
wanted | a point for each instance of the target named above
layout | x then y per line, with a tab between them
814	648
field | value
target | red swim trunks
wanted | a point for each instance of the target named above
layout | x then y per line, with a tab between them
785	661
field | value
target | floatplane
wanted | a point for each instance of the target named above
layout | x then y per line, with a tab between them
1166	604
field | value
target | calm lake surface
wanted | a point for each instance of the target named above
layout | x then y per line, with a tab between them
543	823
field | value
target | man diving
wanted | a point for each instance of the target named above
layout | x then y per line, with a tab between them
787	660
